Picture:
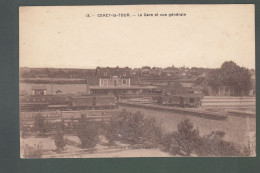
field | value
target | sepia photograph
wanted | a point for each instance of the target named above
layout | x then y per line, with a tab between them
121	81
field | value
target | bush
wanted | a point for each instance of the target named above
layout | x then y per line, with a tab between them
87	132
213	144
151	132
134	128
41	125
25	131
59	140
167	142
33	152
111	131
187	141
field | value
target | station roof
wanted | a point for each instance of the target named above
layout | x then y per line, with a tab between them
39	87
121	87
188	95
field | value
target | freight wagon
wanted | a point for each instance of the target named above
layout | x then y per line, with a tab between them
93	102
66	102
183	100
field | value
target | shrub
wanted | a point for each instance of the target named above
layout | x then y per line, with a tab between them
167	142
151	132
33	152
41	125
134	128
111	131
59	140
87	131
25	131
213	144
186	139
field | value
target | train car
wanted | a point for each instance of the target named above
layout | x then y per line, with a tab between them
92	102
190	100
32	103
169	100
27	103
182	100
44	102
60	102
66	102
82	102
105	101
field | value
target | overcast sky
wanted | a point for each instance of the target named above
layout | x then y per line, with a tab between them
206	37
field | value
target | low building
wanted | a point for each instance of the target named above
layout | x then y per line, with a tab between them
220	91
38	90
178	87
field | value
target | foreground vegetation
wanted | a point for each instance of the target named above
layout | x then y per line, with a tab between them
136	130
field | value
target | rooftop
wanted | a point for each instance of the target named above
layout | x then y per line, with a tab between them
39	87
122	87
110	72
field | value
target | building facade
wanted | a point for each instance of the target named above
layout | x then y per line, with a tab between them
119	82
114	76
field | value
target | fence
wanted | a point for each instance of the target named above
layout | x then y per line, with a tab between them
68	118
228	102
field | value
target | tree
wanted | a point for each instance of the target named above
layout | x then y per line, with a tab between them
236	76
230	74
186	139
40	124
59	140
87	132
215	78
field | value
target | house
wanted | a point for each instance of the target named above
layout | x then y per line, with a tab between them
39	90
178	87
208	90
220	91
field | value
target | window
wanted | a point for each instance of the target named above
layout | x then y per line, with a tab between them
105	82
124	81
115	82
192	100
124	74
105	74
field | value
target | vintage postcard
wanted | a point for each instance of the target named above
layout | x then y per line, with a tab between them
137	81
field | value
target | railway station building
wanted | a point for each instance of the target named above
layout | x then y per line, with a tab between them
118	81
